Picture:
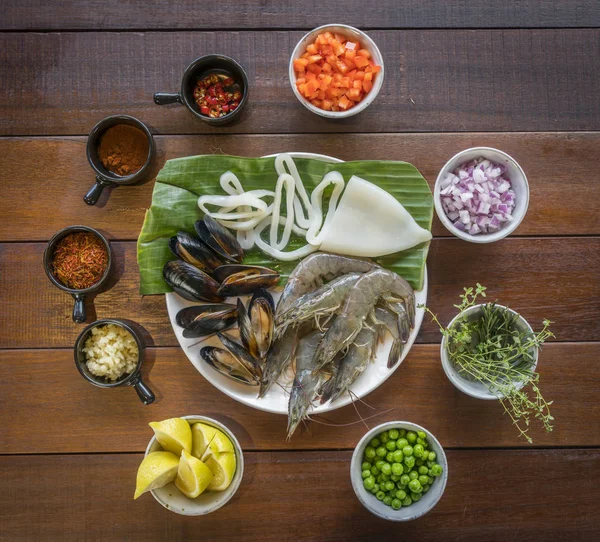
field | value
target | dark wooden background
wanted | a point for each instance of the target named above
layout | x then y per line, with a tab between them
522	76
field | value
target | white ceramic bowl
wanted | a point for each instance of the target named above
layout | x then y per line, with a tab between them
209	501
366	42
518	181
477	389
416	509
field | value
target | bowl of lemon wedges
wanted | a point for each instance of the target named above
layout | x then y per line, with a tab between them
193	465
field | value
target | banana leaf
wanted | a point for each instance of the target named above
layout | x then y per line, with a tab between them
179	184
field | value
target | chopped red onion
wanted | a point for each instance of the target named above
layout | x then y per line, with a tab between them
477	196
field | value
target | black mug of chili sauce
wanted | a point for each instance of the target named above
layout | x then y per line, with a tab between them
120	150
201	92
77	260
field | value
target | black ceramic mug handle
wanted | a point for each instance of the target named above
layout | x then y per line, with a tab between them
79	316
145	394
165	98
93	195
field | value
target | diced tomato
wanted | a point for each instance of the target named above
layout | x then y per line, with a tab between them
312	86
361	62
375	69
363	52
317	103
314	68
350	64
344	102
312	49
349	54
357	84
327	68
340	37
337	47
341	67
321	94
322	39
300	64
360	75
327	105
346	82
300	80
368	76
354	94
329	36
314	58
367	85
326	81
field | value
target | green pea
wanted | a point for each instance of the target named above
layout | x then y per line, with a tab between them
437	470
432	456
379	463
413	475
421	434
384	437
430	480
375	471
365	474
375	442
415	485
385	477
375	488
400	494
397	469
380	495
421	441
409	462
389	486
430	463
419	462
366	465
389	457
407	451
407	501
396	504
381	451
411	436
404	479
418	450
423	480
401	443
398	456
369	483
370	452
391	445
402	432
379	478
426	488
416	497
423	470
387	500
394	477
386	469
394	434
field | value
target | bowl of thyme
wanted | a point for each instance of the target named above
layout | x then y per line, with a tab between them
491	352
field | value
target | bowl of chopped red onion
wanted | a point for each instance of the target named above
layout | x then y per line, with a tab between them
481	195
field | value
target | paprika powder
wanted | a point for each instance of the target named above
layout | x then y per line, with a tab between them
123	149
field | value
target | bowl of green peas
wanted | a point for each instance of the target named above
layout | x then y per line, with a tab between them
399	471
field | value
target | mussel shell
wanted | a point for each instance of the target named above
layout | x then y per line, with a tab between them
261	311
186	315
239	280
190	283
228	365
219	238
246	330
193	251
204	320
242	355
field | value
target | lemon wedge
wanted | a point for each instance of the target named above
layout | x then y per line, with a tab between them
219	444
174	435
202	435
156	470
193	476
223	469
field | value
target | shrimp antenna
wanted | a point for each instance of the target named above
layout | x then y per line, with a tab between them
352	394
323	421
358	413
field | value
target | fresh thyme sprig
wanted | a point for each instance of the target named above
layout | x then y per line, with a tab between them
494	351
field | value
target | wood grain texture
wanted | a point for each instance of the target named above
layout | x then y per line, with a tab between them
139	14
556	165
98	420
554	278
436	80
308	496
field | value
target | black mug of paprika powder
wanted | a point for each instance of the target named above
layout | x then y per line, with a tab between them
120	150
77	260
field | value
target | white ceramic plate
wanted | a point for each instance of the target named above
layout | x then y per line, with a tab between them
276	400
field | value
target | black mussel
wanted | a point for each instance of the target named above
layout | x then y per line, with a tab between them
228	365
219	238
239	279
261	311
190	283
201	320
193	251
242	355
246	331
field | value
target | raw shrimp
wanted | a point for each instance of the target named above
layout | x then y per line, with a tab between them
368	289
314	271
279	357
359	354
323	302
306	382
404	322
390	322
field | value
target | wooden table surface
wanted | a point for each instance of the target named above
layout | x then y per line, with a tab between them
520	76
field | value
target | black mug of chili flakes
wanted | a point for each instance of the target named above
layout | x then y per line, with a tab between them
77	260
214	88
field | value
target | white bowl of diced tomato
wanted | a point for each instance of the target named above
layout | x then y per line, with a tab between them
336	71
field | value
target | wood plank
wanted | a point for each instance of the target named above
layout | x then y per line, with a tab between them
555	278
256	14
98	420
450	80
559	167
90	497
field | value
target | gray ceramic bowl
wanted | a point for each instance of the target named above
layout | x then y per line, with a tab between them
415	510
209	501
